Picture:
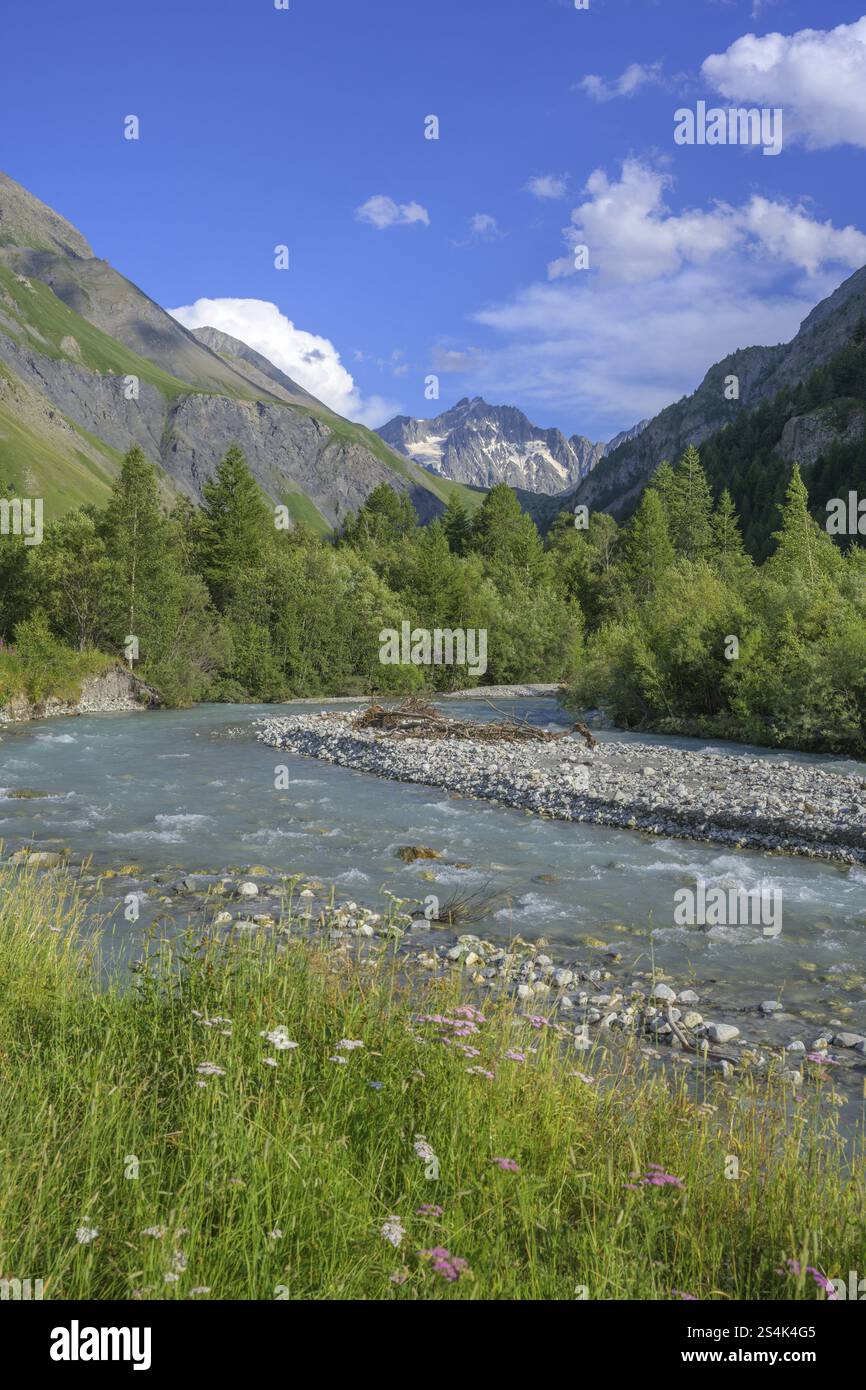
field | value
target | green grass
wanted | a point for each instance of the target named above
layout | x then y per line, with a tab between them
56	671
38	464
40	308
104	1125
302	508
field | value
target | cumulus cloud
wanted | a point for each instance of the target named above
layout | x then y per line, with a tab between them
546	186
381	212
311	361
817	76
667	294
633	235
636	75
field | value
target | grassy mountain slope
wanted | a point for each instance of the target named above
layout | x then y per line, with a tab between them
72	333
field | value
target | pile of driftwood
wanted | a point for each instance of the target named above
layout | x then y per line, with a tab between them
414	718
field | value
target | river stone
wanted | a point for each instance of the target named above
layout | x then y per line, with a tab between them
248	890
194	883
664	992
796	1046
409	853
722	1032
693	1019
38	858
688	996
770	1006
848	1039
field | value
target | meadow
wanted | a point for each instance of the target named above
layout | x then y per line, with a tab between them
265	1117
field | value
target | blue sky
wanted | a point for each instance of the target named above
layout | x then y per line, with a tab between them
262	127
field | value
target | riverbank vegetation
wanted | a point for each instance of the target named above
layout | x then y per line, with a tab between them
666	621
40	665
686	634
267	1119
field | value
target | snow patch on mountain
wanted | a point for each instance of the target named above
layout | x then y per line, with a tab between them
483	444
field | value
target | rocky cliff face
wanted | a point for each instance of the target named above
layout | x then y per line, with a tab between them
483	444
806	438
90	365
762	372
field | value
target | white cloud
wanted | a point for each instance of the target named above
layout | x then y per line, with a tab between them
788	233
633	236
483	227
546	186
447	359
311	361
817	76
636	75
668	293
381	212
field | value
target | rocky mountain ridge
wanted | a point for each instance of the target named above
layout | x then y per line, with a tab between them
482	444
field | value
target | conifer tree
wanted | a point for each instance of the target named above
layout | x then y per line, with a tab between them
690	507
237	525
456	524
135	533
648	549
802	549
725	524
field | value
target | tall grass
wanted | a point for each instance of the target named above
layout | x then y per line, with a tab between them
269	1182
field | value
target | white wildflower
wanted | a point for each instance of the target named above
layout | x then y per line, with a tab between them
393	1231
280	1038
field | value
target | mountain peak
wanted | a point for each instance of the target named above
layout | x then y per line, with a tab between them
482	444
27	222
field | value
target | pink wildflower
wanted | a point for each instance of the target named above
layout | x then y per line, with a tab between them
444	1263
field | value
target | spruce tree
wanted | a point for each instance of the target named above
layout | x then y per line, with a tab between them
237	525
725	524
648	549
690	507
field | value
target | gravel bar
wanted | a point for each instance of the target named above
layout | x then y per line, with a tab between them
724	798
